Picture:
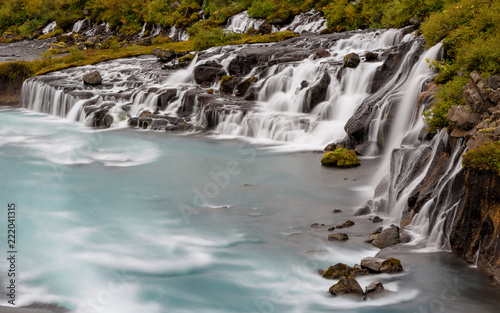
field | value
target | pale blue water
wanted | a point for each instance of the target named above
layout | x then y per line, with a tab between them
113	221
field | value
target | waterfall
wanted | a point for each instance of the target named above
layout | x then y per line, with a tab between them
311	22
78	26
49	28
242	22
143	30
176	34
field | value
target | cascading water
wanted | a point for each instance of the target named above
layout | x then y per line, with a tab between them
49	28
78	26
242	22
311	22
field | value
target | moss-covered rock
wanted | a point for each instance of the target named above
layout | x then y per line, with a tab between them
391	265
338	270
348	223
341	157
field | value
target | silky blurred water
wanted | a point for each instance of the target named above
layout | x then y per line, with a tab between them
140	221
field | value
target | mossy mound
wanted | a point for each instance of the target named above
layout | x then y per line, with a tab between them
483	158
341	157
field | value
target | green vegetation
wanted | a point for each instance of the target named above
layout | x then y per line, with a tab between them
341	157
470	32
483	158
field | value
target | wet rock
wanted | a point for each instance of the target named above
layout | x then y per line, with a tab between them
317	93
391	265
228	84
373	289
242	87
252	94
348	223
377	219
165	98
371	56
304	84
331	228
338	237
92	78
208	73
322	53
346	286
372	264
351	60
338	270
331	147
363	211
337	211
133	121
387	238
265	28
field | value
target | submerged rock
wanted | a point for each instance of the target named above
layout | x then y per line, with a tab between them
346	286
338	237
347	223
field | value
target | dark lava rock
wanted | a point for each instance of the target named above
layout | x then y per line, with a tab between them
348	223
242	87
371	56
338	237
165	97
92	78
228	84
317	93
351	60
252	94
304	84
346	285
208	73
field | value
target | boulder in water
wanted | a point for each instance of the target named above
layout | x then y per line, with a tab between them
347	223
372	264
351	60
164	55
373	289
322	53
371	56
166	97
387	238
242	87
92	78
338	270
338	237
228	84
346	286
391	265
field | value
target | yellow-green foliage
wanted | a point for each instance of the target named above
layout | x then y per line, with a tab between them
483	158
50	35
341	157
447	96
160	40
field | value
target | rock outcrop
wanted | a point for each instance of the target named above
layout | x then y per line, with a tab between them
92	78
476	228
346	286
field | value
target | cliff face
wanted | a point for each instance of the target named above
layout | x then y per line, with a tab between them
477	224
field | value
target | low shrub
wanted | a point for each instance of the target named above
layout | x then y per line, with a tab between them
483	158
341	157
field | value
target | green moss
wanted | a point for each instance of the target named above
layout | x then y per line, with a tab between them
189	57
341	157
160	40
50	35
483	158
225	79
